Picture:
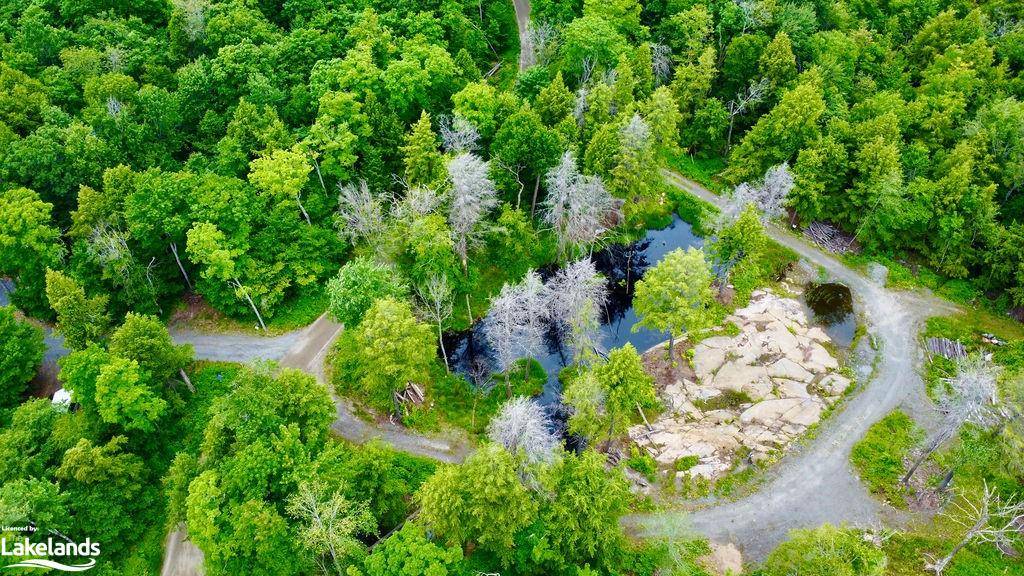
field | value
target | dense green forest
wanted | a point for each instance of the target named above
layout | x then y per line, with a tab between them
260	162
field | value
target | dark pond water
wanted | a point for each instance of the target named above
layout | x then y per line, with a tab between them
621	265
831	306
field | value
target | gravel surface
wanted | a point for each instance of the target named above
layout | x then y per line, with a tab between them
816	484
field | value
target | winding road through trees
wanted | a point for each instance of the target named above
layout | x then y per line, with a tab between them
815	483
812	484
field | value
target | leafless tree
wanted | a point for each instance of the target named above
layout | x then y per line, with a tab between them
991	520
109	247
514	326
458	134
769	197
581	105
482	378
360	214
661	63
437	303
741	104
754	13
972	398
576	296
522	425
114	107
115	58
195	17
778	183
636	134
576	206
542	39
473	195
331	524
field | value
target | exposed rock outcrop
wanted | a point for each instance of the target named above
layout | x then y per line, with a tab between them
755	392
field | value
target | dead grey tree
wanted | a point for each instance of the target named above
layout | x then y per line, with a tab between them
482	379
972	398
769	196
523	427
636	134
109	247
576	207
195	17
577	295
458	134
741	104
542	38
437	303
360	214
661	63
514	326
991	520
473	196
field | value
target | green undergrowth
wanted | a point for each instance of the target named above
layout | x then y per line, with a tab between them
458	403
878	457
968	327
903	275
697	213
296	312
704	171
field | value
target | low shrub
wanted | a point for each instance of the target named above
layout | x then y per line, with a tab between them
878	457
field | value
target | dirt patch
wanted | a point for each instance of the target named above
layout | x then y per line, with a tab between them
656	363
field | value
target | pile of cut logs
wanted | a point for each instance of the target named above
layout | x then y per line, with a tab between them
831	238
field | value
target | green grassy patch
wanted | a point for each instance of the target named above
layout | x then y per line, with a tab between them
640	461
967	327
296	312
878	457
727	399
906	556
701	170
694	211
452	401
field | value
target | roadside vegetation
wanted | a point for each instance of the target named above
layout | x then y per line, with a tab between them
879	457
238	165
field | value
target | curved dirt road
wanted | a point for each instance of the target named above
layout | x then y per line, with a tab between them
815	484
304	349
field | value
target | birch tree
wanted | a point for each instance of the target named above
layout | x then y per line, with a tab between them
436	299
209	246
473	195
576	206
577	295
743	102
522	426
971	398
514	326
661	63
992	520
330	525
360	214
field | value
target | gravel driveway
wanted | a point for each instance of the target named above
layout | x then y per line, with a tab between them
815	484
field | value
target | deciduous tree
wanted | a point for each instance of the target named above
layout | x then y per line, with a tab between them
21	352
675	295
81	320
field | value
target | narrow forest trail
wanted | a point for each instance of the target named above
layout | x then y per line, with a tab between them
526	56
815	483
